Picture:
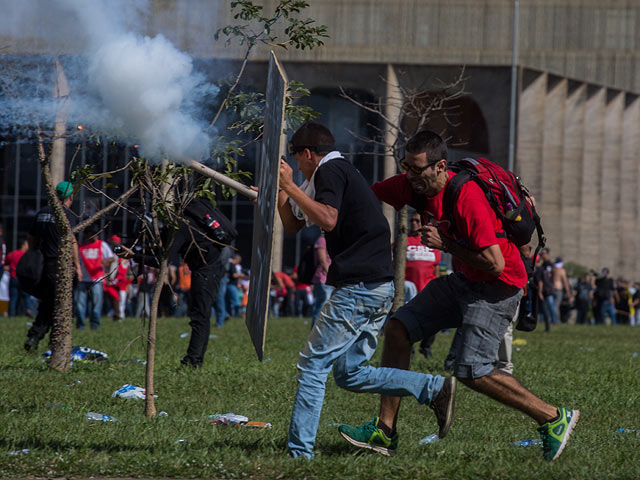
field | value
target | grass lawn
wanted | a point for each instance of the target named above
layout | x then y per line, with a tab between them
590	368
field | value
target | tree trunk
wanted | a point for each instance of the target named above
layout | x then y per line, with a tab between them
150	404
400	257
61	333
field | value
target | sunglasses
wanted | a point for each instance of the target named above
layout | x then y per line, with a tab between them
293	149
413	168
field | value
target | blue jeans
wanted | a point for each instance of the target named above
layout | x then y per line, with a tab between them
321	293
85	292
345	338
15	294
219	305
606	308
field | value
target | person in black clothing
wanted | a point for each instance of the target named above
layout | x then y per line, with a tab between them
544	281
44	236
199	240
603	297
337	199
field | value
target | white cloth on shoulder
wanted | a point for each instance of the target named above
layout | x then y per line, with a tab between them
309	187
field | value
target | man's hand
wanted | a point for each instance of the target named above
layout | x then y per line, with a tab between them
431	237
286	175
124	252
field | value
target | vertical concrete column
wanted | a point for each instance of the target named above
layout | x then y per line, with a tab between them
589	243
393	108
551	161
572	171
629	197
610	234
530	135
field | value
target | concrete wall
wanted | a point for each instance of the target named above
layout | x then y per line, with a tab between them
577	152
590	40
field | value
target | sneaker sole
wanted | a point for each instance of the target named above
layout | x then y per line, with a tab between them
572	424
376	448
450	408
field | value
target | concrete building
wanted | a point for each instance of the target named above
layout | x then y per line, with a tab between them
577	121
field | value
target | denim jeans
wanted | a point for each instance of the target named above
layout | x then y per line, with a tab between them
345	338
15	296
86	291
606	308
220	308
321	293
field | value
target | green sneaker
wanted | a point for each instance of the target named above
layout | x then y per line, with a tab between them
370	436
555	434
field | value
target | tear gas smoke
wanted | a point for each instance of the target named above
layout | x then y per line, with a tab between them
125	86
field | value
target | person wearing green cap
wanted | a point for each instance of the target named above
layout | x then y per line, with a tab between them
44	236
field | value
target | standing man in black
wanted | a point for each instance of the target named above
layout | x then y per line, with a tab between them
44	236
199	239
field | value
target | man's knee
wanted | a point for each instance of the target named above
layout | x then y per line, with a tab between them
396	335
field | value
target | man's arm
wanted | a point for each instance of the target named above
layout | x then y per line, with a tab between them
291	224
324	216
322	258
76	256
488	259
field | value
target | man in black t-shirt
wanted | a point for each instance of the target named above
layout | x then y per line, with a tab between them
337	198
44	236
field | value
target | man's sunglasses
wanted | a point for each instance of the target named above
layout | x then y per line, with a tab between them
413	168
293	149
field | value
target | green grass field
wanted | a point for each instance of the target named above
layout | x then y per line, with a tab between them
590	368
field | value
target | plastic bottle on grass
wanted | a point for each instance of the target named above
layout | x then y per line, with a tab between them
433	438
536	442
99	417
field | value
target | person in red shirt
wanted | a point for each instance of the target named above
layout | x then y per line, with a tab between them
116	281
16	295
479	299
422	266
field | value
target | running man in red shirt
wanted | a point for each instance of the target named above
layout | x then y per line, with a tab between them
479	299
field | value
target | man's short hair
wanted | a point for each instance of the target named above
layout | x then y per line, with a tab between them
313	134
428	142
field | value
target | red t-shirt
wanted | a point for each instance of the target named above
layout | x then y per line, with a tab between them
12	260
422	262
476	224
91	255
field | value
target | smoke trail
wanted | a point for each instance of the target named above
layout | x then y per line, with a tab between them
136	88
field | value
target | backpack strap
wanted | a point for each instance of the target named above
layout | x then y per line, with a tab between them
452	192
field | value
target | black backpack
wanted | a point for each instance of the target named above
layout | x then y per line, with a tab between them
307	265
211	221
29	271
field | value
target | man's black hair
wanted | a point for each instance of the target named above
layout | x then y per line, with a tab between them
429	142
313	134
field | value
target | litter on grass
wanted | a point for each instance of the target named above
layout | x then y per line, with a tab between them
163	414
81	354
519	342
433	438
626	430
634	355
24	451
100	417
236	420
131	360
76	382
184	335
536	442
131	391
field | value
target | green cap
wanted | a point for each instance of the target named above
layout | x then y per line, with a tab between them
64	189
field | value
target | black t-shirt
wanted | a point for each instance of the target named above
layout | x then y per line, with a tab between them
359	244
544	273
46	233
604	287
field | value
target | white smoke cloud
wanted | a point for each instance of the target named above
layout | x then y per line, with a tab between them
138	88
